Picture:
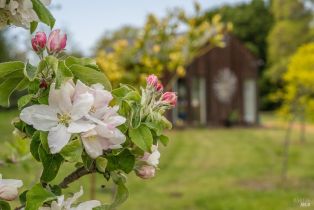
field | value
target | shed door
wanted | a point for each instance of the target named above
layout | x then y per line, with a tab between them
199	101
250	107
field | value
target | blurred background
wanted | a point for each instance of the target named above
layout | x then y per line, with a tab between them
244	73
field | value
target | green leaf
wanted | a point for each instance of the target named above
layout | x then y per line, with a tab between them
10	67
44	141
134	96
30	71
36	196
6	89
101	164
164	140
22	197
23	84
87	161
51	164
121	92
155	126
63	73
142	137
34	146
90	76
4	205
69	61
24	100
121	195
124	161
33	27
72	151
43	13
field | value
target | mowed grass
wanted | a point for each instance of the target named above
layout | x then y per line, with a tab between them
208	169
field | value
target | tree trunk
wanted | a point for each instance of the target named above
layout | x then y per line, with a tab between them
302	129
92	186
285	157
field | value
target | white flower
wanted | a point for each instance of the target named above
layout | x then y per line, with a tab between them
62	204
62	117
9	188
105	135
152	159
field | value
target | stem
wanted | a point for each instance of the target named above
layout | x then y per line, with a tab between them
78	173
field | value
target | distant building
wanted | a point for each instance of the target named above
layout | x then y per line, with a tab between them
220	88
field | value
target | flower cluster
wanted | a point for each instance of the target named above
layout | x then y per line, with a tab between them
55	44
154	100
72	114
77	109
18	12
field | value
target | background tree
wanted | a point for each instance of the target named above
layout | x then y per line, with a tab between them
297	94
291	29
129	55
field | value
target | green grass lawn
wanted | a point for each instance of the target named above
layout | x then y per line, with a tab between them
210	169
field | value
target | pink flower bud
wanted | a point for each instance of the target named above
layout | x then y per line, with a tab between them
152	80
169	98
8	193
39	41
159	87
146	172
56	42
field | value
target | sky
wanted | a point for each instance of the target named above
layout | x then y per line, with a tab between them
87	20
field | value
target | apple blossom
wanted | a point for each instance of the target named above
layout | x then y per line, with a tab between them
105	135
62	117
152	158
9	188
62	204
152	80
39	41
145	171
169	98
56	41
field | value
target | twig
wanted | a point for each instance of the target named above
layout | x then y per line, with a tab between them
78	173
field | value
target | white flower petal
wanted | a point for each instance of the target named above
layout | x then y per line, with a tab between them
92	146
80	126
42	117
81	106
68	202
81	88
62	98
58	137
12	182
88	205
116	121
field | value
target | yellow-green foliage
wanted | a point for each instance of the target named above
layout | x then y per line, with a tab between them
160	46
299	83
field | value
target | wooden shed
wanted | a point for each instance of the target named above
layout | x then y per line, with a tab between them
220	88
